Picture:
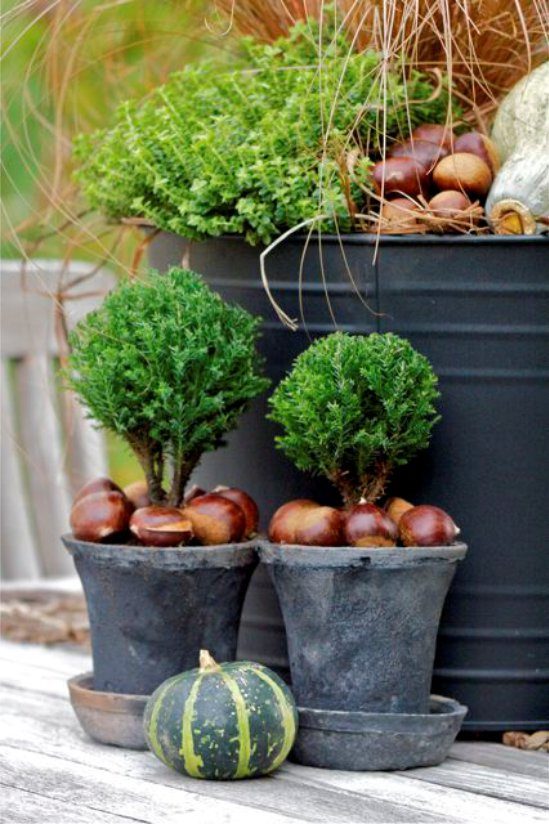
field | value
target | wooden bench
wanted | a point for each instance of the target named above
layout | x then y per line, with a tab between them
49	448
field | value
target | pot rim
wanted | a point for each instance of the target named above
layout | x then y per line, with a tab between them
361	238
83	694
362	557
354	722
182	557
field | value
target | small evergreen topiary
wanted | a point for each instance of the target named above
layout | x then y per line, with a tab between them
353	408
169	367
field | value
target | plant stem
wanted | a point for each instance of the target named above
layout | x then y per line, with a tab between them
151	460
181	473
368	488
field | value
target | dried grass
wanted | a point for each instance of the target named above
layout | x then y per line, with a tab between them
484	46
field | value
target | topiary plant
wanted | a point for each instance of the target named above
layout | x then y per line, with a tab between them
353	408
169	367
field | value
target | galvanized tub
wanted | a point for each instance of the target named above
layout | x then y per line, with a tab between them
478	308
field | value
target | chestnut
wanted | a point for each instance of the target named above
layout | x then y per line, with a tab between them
427	526
215	519
449	204
100	515
160	526
245	502
138	494
366	525
480	145
194	492
464	172
320	526
396	507
405	175
96	485
398	215
283	525
434	133
426	152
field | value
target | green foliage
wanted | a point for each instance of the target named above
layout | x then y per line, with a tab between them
354	407
255	149
170	367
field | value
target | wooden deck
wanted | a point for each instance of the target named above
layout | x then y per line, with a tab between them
51	772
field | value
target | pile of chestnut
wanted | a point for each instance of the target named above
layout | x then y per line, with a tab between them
363	525
448	173
103	512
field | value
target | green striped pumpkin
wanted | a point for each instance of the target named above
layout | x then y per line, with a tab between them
222	721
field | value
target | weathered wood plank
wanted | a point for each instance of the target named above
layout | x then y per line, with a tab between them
485	781
19	551
21	807
509	759
447	803
389	797
131	799
45	460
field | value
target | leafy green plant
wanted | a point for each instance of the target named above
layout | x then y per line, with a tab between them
258	148
355	407
170	367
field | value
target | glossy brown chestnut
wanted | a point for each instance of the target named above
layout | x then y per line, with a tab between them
427	526
398	215
425	151
434	133
464	172
404	175
368	525
100	515
96	485
161	526
449	204
215	519
194	492
480	145
245	502
320	526
138	494
286	519
396	507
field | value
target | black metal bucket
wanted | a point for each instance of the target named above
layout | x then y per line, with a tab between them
478	308
361	624
153	610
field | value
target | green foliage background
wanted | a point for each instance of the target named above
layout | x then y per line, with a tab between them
355	407
258	148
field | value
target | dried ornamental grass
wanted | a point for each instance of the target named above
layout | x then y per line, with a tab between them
485	46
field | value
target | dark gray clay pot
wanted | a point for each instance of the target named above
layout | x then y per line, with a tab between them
361	624
152	610
377	741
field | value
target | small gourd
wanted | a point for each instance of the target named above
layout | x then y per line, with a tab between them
222	721
519	196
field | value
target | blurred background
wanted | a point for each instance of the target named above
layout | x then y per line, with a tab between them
66	65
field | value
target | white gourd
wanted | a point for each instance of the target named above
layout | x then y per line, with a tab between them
521	133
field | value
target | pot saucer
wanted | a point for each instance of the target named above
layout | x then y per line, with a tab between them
377	741
109	717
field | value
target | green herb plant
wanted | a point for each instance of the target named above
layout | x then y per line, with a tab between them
256	149
355	407
169	366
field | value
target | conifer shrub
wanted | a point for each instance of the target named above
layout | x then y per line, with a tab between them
355	407
169	366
